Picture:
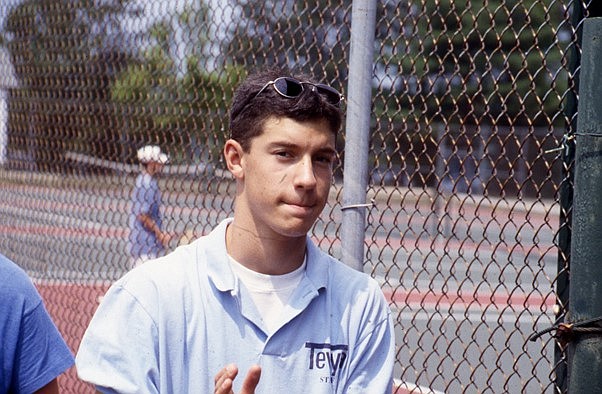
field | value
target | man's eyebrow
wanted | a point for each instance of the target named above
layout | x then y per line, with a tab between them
286	144
328	151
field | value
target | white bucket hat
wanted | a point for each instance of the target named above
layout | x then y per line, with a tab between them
149	153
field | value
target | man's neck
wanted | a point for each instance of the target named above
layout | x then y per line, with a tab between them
266	255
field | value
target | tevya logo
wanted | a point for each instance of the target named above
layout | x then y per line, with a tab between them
323	355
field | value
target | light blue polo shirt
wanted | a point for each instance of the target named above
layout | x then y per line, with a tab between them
170	325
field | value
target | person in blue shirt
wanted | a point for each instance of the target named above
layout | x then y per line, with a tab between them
147	238
33	353
255	295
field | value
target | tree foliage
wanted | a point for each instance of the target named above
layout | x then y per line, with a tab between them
65	54
311	36
172	96
473	62
84	78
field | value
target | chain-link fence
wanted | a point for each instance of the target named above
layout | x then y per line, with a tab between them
471	101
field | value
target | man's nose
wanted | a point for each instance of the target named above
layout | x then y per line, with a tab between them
305	176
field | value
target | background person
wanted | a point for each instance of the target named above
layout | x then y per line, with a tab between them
256	294
147	239
33	353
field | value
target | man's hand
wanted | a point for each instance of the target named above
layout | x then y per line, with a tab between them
149	223
164	238
225	377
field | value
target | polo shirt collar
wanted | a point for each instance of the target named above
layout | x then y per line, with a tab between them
218	267
216	255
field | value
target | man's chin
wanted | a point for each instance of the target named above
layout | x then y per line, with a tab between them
296	228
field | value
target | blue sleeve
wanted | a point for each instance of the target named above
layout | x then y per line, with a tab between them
41	354
371	369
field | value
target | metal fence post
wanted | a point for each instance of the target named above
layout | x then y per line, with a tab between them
357	142
585	293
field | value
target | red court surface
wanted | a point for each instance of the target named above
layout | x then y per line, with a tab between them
72	307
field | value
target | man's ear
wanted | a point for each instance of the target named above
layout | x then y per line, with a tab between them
233	153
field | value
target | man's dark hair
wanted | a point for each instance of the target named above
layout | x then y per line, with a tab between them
248	113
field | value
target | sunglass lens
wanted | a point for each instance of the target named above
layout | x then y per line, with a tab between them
331	94
288	87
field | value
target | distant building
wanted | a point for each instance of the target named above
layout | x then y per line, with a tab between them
8	80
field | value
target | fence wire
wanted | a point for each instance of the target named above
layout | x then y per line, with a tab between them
471	115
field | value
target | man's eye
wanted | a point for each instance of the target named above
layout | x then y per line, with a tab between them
324	159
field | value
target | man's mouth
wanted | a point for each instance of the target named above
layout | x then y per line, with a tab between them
303	207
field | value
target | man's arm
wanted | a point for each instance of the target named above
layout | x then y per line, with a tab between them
43	354
118	349
149	224
51	388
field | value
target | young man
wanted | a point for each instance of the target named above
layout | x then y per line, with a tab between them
255	295
147	239
33	353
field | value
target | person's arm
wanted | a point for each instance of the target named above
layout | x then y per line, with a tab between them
51	388
119	349
43	354
149	224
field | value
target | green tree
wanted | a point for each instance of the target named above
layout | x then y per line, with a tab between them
65	54
171	96
474	61
312	36
455	78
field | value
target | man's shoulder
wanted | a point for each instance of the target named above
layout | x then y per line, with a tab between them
341	276
336	266
15	281
145	180
177	267
182	265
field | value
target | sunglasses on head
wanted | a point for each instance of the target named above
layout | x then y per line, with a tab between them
291	88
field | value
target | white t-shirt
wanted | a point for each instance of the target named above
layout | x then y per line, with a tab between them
270	293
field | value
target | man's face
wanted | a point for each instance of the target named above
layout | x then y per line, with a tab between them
154	167
287	176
